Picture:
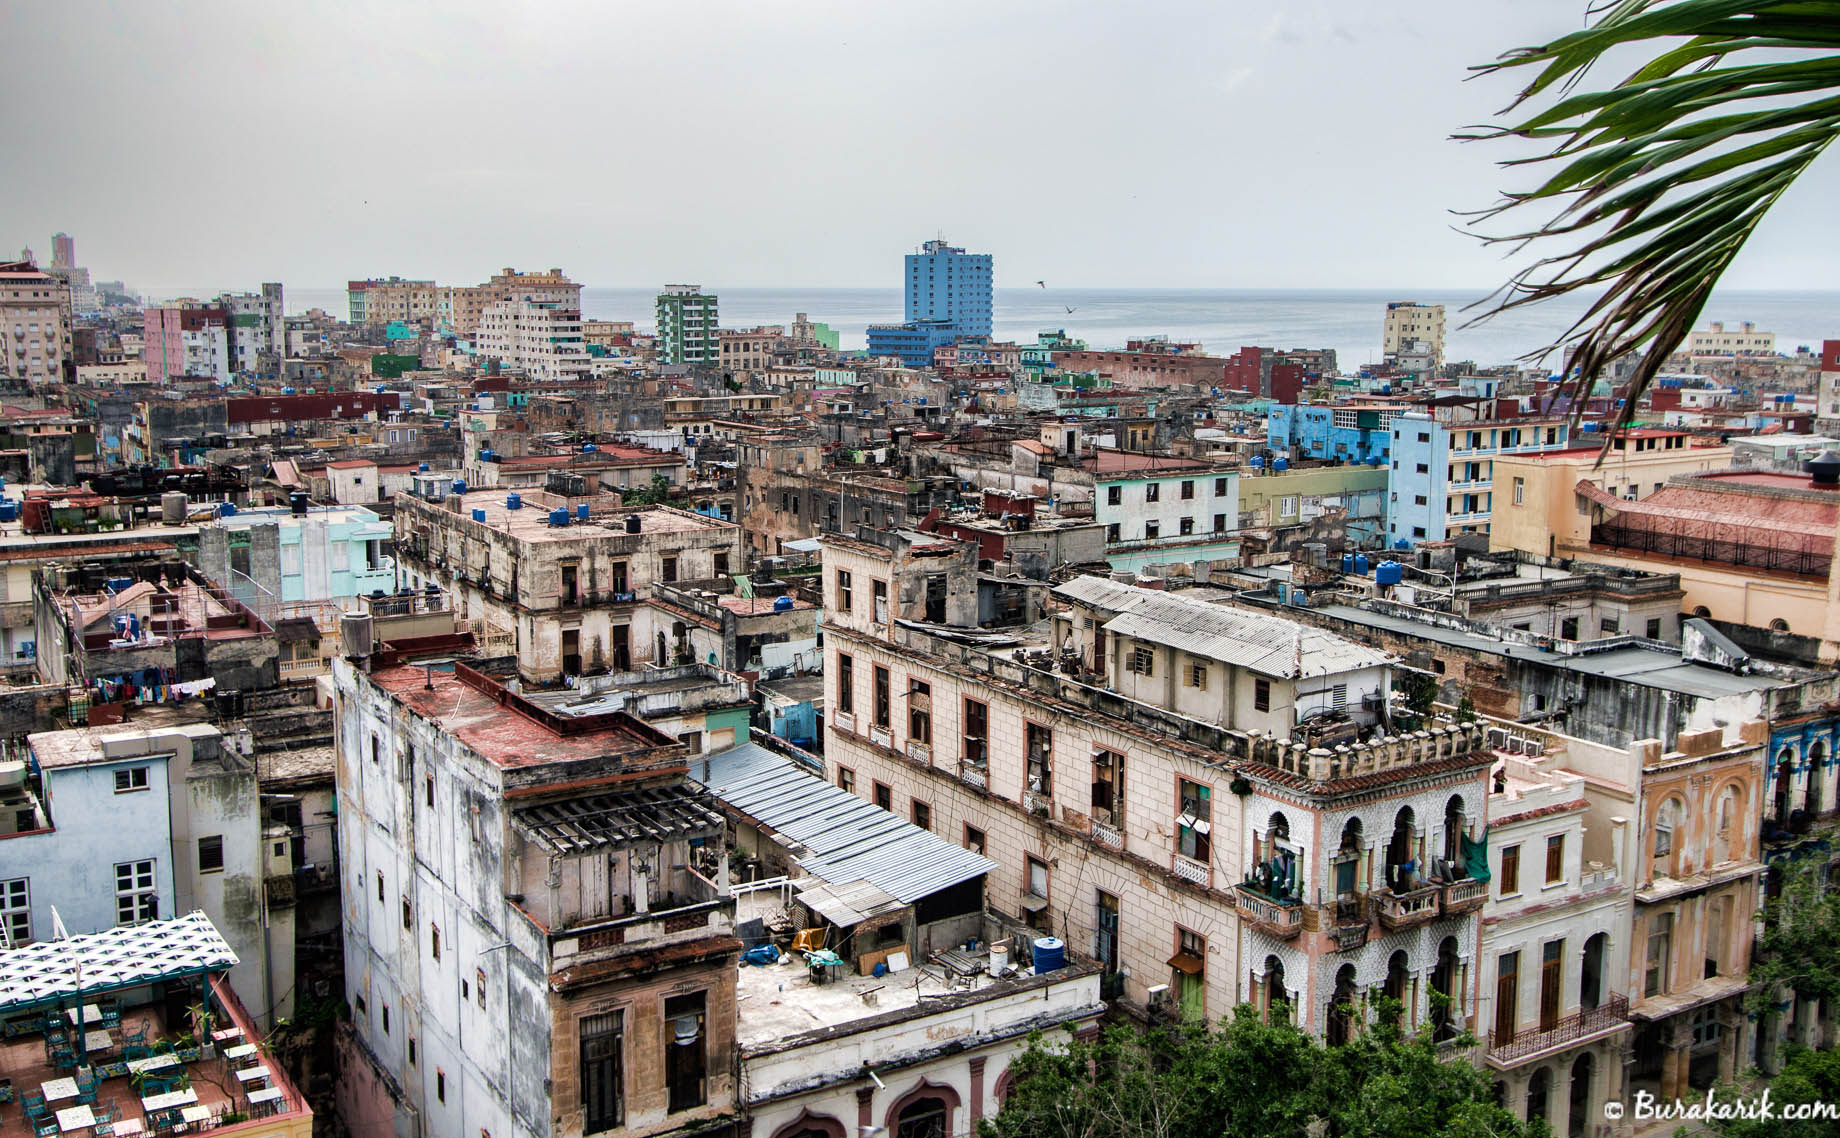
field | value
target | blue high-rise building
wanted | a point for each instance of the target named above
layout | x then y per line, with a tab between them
947	283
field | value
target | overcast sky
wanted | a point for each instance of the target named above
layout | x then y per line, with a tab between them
1212	143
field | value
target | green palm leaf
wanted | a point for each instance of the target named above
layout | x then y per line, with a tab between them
1658	181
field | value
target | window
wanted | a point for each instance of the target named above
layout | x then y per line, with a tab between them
1152	530
919	712
1037	878
1143	660
16	910
1520	486
1038	750
1656	979
135	898
1220	486
428	788
1108	786
358	1003
1654	629
878	596
883	697
974	840
1287	507
1152	492
1261	695
408	913
603	1071
685	1054
434	941
1510	870
1188	491
1186	526
1112	533
846	594
1609	626
380	885
1189	974
1114	495
668	569
440	1085
479	987
884	796
846	684
721	563
412	1051
1195	675
1666	819
1555	859
846	780
977	733
386	1019
211	854
923	815
1220	523
1194	820
131	778
376	750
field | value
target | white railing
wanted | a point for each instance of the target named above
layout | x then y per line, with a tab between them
1111	837
1188	869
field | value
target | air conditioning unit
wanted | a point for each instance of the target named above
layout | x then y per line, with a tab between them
1157	996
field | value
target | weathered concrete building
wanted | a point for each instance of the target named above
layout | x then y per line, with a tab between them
566	593
538	937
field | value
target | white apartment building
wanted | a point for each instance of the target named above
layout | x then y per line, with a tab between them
539	338
34	323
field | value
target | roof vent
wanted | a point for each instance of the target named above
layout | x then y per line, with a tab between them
1824	468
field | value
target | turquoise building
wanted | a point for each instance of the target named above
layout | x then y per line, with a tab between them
329	553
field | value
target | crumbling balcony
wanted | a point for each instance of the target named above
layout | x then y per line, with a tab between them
1463	896
1406	910
1268	915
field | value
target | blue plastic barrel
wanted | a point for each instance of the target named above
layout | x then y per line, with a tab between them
559	516
1361	564
581	513
1050	954
1347	562
514	502
1389	573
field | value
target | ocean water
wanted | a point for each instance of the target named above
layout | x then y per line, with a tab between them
1221	320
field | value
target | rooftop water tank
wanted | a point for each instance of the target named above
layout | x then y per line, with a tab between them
782	603
1347	562
514	502
1258	462
1361	564
587	448
632	523
581	513
559	516
1402	543
1281	464
479	515
287	391
226	509
1389	573
1824	468
1050	954
423	468
459	486
297	502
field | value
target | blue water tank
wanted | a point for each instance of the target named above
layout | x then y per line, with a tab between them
287	391
1050	954
459	486
9	510
581	513
422	469
226	510
559	516
1258	462
782	604
1347	562
1361	564
1374	460
479	515
587	448
489	455
1402	543
1281	464
513	501
1389	573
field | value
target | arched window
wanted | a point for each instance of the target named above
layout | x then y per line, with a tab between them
1539	1094
1278	873
1348	863
809	1125
1398	983
1453	835
924	1112
1277	997
1667	820
1701	611
1726	825
1785	785
1813	792
1591	972
1578	1120
1341	1007
1402	868
1779	625
1444	1009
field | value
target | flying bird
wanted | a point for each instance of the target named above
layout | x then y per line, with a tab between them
1069	310
1043	284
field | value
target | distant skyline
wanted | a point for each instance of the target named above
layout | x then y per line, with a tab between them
1219	144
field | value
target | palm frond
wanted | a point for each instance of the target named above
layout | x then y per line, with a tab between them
1662	177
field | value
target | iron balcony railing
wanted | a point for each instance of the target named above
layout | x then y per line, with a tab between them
1579	1025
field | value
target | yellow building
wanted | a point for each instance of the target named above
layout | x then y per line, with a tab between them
1538	509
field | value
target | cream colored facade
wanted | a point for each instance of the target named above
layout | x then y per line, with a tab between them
1744	340
1408	320
1538	511
127	371
541	340
34	325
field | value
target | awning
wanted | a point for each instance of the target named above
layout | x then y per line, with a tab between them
1034	904
126	956
849	904
1187	963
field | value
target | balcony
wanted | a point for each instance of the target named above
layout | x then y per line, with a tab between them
1579	1027
1265	914
1107	835
1465	896
1406	910
972	773
1188	869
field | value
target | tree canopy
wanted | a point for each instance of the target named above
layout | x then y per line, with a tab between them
1250	1079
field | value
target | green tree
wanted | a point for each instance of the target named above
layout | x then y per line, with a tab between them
1800	946
1661	178
1249	1079
1807	1077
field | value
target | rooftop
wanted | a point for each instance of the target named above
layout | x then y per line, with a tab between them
126	956
79	746
606	521
507	729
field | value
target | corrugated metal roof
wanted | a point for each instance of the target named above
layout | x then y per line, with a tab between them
837	836
1269	645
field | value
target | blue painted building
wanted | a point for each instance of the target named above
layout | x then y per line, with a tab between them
1800	777
1329	431
327	554
949	284
1442	480
913	342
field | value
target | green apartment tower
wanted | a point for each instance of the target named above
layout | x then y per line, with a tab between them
687	326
